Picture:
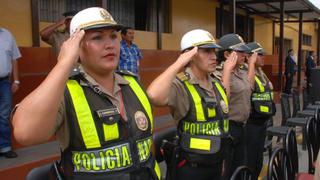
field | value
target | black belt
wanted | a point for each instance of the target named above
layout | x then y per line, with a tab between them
235	123
4	78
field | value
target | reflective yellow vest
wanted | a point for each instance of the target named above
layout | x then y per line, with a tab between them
101	142
206	122
262	99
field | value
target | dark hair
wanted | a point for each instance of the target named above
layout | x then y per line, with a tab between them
124	30
221	55
310	53
290	50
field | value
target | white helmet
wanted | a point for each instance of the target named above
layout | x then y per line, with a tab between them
91	18
199	38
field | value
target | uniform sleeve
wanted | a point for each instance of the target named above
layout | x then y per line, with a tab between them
62	129
178	100
51	38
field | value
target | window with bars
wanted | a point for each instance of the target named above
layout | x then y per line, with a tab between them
52	10
145	15
306	39
141	14
244	25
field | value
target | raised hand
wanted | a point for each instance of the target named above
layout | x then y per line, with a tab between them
231	61
186	57
70	49
253	58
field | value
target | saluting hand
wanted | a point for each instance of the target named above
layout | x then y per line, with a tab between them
186	57
231	61
70	49
253	58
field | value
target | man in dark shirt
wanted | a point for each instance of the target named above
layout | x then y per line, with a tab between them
310	63
290	71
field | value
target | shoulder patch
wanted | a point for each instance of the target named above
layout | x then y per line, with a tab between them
220	67
244	67
183	76
126	72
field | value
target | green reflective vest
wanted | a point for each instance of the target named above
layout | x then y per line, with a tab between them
101	142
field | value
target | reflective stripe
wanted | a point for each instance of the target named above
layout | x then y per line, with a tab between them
84	116
202	144
141	96
222	93
157	170
111	132
259	84
264	108
197	101
226	125
211	112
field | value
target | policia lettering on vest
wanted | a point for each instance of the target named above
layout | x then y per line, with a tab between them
199	104
104	122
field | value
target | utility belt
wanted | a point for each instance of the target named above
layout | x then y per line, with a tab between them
4	78
236	123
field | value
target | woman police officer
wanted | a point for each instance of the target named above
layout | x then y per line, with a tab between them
199	105
262	109
241	83
102	118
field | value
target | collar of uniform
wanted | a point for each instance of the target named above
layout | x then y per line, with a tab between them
259	72
118	80
193	79
239	72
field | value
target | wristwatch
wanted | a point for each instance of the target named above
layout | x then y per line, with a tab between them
16	82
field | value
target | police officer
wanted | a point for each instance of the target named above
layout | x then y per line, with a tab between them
262	109
199	105
104	122
241	83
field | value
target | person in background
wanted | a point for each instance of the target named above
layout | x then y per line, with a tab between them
199	105
262	110
241	86
55	36
310	63
130	54
290	70
102	119
9	84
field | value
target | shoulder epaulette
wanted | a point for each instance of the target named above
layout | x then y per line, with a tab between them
220	66
75	73
215	76
61	30
126	72
183	76
244	67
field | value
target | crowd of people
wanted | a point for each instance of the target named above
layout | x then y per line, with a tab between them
218	94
